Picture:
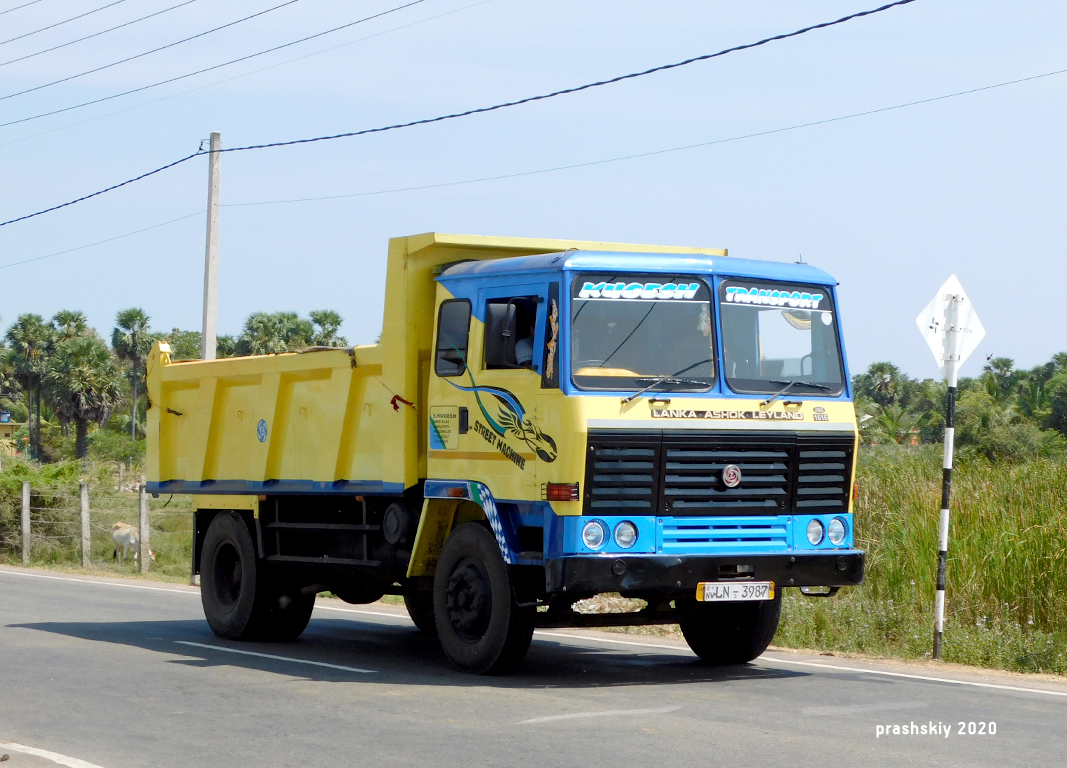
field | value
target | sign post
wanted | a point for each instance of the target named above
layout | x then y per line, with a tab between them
953	331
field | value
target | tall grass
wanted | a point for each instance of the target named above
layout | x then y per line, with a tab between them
1007	564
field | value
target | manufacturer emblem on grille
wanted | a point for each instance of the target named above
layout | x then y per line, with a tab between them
731	475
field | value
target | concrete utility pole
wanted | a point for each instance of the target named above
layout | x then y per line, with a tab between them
208	337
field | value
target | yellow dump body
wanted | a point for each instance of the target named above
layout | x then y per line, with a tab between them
322	420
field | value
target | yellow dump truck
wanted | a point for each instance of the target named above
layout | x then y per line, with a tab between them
542	421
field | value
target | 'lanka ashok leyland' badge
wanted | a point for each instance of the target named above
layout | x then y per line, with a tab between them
731	475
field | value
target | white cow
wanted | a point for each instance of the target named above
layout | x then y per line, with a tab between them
126	538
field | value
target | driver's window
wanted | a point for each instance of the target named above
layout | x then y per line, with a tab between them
510	324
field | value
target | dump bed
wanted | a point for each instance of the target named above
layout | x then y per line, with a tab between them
339	420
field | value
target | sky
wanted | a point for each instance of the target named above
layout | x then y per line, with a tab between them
890	204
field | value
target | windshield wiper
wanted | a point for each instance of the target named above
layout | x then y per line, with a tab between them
788	386
663	380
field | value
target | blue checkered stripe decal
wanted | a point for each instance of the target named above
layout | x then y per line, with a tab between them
485	499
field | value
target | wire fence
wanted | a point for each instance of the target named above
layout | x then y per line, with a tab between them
99	525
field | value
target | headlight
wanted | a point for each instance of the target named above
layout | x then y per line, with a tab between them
815	532
594	534
625	534
836	531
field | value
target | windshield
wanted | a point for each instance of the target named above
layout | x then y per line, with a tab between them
627	331
776	334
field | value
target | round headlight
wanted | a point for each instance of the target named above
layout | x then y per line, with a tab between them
815	532
625	534
836	531
593	534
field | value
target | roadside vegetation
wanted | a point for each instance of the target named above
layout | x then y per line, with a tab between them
1007	571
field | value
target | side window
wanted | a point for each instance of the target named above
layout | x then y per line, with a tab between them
453	332
509	332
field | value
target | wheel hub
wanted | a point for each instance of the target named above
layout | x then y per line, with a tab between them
469	599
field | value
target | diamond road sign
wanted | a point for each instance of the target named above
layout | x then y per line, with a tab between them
950	310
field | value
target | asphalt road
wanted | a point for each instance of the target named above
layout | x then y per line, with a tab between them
128	674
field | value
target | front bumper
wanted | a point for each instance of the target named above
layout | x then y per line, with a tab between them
590	575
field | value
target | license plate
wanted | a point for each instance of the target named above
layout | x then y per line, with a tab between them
717	591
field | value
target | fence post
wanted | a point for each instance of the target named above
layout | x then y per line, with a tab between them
143	555
86	541
26	522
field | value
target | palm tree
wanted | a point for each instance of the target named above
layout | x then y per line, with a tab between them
31	340
132	342
327	323
271	333
69	324
82	384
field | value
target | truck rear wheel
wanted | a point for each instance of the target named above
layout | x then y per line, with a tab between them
230	587
419	603
480	627
731	633
287	617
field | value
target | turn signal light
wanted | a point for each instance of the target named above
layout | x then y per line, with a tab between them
855	491
560	492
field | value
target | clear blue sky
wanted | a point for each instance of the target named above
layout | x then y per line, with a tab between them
891	204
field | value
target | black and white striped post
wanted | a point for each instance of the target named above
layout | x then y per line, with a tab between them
950	365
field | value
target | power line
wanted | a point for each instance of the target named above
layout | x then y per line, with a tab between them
576	89
651	153
146	53
586	164
247	74
109	189
24	5
61	23
479	110
207	69
95	34
101	242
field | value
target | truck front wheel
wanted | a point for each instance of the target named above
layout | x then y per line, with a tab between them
480	627
731	633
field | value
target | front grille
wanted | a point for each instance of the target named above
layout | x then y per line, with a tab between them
720	534
824	473
680	473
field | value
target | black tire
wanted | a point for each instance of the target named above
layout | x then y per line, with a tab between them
419	603
731	633
287	618
230	580
480	627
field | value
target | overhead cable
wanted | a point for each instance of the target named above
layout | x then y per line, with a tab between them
603	161
576	89
95	34
246	74
209	69
650	153
147	53
452	116
24	5
61	23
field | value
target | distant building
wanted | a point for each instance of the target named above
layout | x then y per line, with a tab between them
8	429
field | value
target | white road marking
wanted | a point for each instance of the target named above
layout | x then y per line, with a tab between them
277	658
837	667
55	757
368	613
99	583
182	591
851	709
927	678
605	713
